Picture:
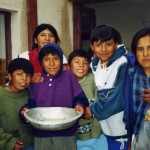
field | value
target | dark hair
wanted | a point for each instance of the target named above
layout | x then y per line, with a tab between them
80	53
104	33
141	33
50	48
90	52
42	27
20	64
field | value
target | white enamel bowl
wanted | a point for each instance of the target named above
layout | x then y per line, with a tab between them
52	118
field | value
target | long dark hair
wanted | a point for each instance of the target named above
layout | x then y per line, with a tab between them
141	33
39	29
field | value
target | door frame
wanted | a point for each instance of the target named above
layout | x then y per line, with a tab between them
78	32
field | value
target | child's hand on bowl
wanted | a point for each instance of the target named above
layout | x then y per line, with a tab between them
79	108
22	113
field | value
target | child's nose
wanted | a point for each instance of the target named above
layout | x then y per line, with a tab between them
47	37
103	47
24	76
81	64
51	62
146	52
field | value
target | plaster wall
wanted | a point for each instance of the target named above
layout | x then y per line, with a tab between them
126	15
17	8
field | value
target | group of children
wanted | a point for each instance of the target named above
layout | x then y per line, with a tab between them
112	94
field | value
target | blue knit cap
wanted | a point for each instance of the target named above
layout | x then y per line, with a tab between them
49	46
56	46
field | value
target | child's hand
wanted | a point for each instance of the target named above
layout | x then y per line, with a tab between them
88	113
79	108
37	78
146	95
18	145
22	113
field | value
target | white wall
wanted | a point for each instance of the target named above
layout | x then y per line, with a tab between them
126	15
18	24
2	38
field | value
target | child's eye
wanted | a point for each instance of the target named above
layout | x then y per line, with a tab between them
56	58
19	73
42	34
108	44
98	44
51	35
148	48
139	49
28	75
86	63
76	62
46	59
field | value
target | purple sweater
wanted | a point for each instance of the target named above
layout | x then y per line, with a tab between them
60	91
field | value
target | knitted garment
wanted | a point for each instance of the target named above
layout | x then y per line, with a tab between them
88	128
136	108
10	127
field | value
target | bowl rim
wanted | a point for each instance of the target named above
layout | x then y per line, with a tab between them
50	122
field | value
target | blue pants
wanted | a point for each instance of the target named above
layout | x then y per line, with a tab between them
117	145
30	148
93	144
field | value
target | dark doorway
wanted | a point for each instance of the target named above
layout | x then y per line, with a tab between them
84	22
5	42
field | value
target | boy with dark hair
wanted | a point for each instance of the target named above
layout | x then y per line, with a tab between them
88	133
58	89
13	134
109	67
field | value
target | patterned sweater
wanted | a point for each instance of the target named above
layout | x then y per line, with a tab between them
88	128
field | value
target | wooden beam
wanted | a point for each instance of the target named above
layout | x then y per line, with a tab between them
32	19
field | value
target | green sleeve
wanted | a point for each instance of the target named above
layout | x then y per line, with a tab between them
7	141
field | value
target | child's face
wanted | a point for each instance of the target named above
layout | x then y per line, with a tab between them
44	37
79	66
19	80
143	53
51	64
104	50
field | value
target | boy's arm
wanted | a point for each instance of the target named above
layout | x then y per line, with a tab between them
81	104
129	113
112	100
81	99
7	141
31	104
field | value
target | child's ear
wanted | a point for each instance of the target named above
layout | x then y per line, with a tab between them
91	47
35	40
116	45
9	77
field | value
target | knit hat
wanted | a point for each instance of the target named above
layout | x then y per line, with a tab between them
51	48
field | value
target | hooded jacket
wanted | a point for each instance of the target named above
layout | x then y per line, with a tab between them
61	90
109	108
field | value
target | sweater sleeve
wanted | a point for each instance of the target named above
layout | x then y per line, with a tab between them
128	115
81	99
7	141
